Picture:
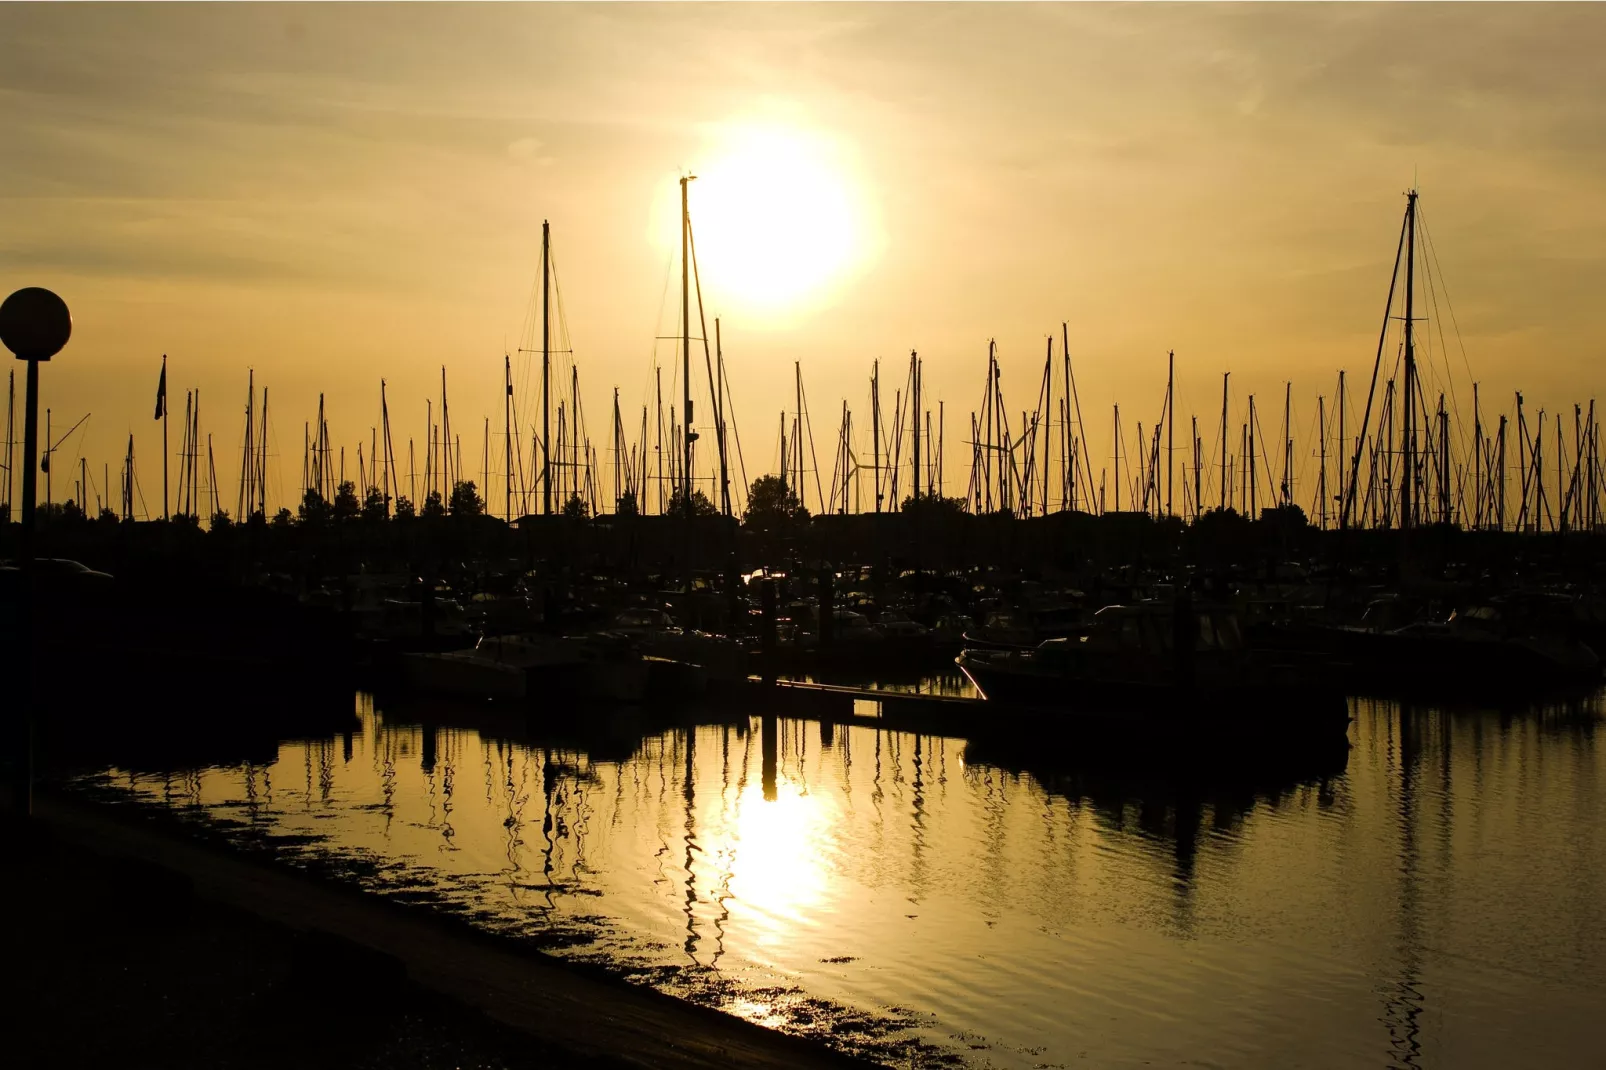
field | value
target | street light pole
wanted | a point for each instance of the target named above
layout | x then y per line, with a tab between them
34	324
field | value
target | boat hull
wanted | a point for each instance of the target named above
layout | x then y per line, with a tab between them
1156	708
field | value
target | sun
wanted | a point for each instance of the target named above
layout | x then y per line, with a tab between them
778	219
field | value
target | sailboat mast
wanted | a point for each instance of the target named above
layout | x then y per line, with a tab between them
546	367
658	426
1408	431
507	439
685	344
1321	479
1288	443
914	411
1342	444
1118	458
719	422
1254	487
1198	505
875	427
1170	424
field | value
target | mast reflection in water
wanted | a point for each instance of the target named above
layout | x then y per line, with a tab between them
1434	898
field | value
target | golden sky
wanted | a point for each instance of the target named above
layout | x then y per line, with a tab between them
334	193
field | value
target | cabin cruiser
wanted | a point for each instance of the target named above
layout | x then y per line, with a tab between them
1481	648
523	667
1168	660
655	634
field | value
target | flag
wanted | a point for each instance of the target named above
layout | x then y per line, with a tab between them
161	391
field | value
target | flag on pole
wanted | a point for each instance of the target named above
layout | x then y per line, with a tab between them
161	391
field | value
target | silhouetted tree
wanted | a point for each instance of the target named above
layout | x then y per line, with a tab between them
221	520
466	500
433	506
575	508
933	505
626	505
281	519
314	508
373	506
346	504
771	503
404	508
700	505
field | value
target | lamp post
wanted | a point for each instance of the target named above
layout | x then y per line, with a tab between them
34	325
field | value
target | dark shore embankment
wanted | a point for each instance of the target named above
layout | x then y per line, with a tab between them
132	947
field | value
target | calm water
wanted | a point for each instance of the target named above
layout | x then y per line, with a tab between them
1435	899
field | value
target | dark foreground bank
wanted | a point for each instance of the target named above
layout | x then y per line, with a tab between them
133	948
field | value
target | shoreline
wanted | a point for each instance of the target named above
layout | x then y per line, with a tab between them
594	1018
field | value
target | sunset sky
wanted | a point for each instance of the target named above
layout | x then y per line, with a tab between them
330	194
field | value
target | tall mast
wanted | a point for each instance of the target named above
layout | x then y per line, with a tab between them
260	461
875	427
685	344
719	422
507	439
658	426
1170	424
1288	443
1321	480
166	514
1408	431
1048	414
797	434
11	446
1118	458
914	410
1342	444
390	455
1198	506
546	367
211	478
1477	457
574	429
1500	472
448	475
1253	501
618	449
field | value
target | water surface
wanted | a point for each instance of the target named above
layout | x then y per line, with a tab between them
1434	898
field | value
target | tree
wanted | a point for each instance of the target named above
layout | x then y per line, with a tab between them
466	500
281	519
346	504
771	503
575	508
933	505
626	505
373	506
221	521
404	508
314	509
700	505
433	506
